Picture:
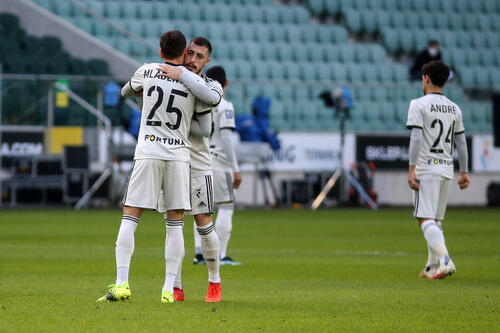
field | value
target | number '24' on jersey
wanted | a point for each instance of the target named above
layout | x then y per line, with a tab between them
440	120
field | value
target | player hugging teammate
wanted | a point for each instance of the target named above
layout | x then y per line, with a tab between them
172	169
436	129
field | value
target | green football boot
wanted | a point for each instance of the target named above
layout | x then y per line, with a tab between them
116	293
167	297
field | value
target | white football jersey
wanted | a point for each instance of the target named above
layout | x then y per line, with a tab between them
201	161
223	119
167	110
440	120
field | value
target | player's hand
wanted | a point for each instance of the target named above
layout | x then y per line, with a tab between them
172	72
463	180
412	178
236	180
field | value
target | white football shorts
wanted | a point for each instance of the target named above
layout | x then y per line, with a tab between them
223	186
149	178
432	197
202	195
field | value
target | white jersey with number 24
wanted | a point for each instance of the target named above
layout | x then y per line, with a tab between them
440	120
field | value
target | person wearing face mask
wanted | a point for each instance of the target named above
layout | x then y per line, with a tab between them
431	53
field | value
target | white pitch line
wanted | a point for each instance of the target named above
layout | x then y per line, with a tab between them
239	250
248	251
68	247
253	251
378	253
335	252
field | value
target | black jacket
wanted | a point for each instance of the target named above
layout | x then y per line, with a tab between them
422	58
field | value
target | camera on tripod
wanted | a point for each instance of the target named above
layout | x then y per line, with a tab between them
340	99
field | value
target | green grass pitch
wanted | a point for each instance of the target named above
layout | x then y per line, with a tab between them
331	270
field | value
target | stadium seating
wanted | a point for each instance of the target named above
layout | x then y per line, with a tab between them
279	51
467	31
470	26
23	100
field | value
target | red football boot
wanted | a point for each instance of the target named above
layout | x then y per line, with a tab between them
178	295
214	293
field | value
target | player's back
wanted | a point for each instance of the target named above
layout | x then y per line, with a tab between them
167	111
440	120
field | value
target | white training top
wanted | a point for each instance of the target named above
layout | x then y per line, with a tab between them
440	120
167	111
223	119
201	162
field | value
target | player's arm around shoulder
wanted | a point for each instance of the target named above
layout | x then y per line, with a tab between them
201	87
172	72
215	86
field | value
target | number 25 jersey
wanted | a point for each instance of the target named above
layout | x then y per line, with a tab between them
440	120
167	111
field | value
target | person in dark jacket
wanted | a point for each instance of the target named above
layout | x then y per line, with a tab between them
431	53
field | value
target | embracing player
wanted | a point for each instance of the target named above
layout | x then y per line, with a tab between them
225	167
227	176
202	194
436	128
161	164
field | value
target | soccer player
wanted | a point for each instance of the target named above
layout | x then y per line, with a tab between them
161	163
226	171
202	195
436	128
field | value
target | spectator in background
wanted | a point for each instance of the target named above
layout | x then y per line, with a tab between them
431	53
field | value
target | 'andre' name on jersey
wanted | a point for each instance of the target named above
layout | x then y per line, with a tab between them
443	108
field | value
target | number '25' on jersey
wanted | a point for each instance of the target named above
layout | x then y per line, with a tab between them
167	111
440	120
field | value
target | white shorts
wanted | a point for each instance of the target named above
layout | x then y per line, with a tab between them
202	195
431	199
223	186
149	178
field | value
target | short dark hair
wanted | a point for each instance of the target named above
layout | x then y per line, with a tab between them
172	44
433	42
202	41
218	74
438	71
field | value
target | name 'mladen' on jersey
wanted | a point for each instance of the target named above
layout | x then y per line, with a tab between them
167	110
440	120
